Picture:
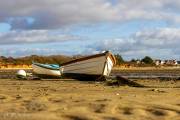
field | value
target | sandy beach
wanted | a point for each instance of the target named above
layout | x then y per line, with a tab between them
79	100
89	59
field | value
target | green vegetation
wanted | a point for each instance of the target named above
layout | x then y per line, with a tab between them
59	59
119	59
133	60
147	60
53	59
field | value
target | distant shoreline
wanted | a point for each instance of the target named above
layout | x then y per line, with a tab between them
114	68
165	73
147	68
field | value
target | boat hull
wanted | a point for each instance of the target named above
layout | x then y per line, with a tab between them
45	72
83	77
91	67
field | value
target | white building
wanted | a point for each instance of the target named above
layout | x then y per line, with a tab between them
165	62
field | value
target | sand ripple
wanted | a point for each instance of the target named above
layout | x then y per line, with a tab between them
74	100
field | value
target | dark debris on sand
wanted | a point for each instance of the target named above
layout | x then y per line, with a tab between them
121	81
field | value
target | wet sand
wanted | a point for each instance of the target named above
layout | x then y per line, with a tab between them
78	100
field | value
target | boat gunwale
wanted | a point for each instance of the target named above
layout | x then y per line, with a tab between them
106	54
46	67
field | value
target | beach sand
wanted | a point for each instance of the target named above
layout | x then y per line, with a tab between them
78	100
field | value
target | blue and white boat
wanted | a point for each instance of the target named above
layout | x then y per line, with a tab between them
46	70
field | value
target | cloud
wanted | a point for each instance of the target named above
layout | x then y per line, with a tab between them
159	43
34	36
27	51
53	14
159	38
38	21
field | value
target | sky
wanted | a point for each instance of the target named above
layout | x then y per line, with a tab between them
131	28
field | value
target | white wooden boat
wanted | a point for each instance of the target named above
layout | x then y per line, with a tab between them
46	70
90	67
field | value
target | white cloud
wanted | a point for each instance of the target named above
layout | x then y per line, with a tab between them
11	51
159	38
159	43
34	36
56	13
37	17
50	14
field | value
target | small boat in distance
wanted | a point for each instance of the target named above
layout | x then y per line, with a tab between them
46	70
94	67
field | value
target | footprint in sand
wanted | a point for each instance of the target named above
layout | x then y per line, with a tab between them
5	98
124	110
97	108
163	112
110	118
56	100
102	100
127	110
34	106
157	112
76	117
178	104
18	97
2	97
78	101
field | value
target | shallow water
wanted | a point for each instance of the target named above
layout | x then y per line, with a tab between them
130	74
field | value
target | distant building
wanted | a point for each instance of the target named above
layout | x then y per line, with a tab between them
138	61
165	62
159	62
170	62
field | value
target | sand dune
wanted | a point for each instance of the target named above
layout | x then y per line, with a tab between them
75	100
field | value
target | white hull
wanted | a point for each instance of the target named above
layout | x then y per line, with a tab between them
100	65
44	71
